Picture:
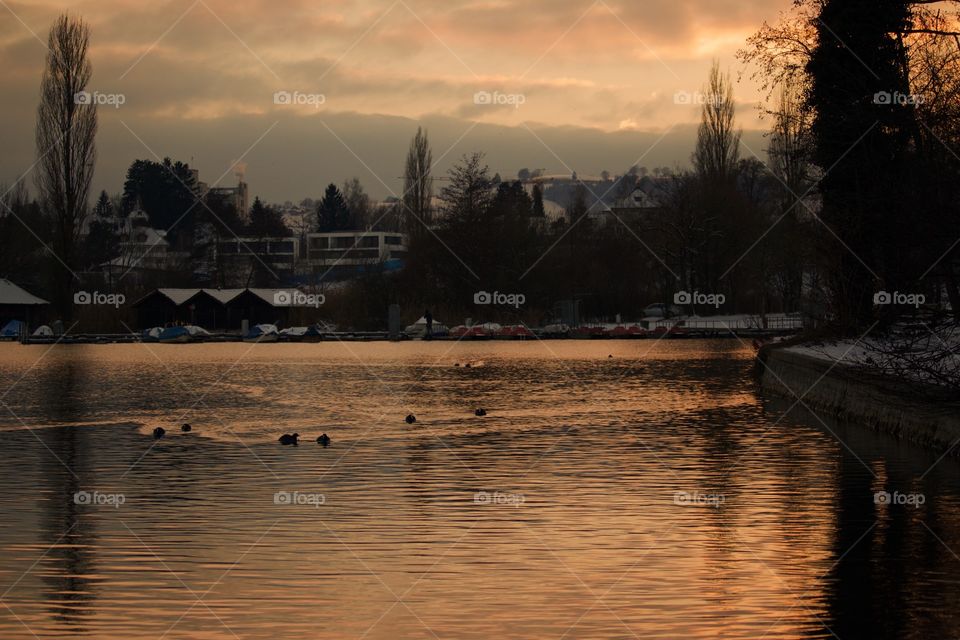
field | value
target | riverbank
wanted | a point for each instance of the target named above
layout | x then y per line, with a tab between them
905	409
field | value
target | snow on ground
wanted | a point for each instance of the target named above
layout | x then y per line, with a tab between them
916	352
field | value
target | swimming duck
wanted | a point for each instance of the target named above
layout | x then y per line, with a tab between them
480	412
159	432
323	440
411	419
289	439
185	427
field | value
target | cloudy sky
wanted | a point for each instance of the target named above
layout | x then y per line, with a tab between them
555	84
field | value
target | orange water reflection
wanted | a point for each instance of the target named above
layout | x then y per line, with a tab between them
648	495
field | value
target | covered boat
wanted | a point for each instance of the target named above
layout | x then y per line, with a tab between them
189	333
262	333
419	329
517	332
12	329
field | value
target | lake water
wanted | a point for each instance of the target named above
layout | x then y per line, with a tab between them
652	494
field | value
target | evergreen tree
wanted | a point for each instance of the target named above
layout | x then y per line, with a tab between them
166	191
864	142
266	222
332	213
512	200
538	210
104	207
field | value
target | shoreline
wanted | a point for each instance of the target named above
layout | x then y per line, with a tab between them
907	410
384	336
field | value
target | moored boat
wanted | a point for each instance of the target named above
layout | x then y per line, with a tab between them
182	334
262	333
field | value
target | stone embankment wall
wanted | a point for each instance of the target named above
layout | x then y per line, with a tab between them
901	408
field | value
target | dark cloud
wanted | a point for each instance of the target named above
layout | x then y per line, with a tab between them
599	78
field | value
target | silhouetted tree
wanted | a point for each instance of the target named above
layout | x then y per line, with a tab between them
332	213
167	192
864	143
66	137
538	210
418	184
470	191
266	222
101	245
358	203
104	206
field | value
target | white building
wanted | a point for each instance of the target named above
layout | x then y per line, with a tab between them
355	248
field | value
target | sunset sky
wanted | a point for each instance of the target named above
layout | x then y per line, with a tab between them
585	85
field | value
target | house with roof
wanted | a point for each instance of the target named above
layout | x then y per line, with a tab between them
18	304
214	309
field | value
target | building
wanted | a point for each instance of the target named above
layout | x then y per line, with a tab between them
279	254
222	309
238	196
18	304
356	249
142	248
636	207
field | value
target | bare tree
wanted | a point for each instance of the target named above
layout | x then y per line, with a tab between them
791	236
791	151
417	183
359	204
66	132
718	144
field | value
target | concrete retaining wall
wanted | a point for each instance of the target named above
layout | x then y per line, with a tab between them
901	408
